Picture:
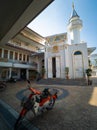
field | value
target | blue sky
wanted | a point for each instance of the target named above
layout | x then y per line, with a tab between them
54	19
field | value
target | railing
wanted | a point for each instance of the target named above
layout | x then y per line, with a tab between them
34	64
21	62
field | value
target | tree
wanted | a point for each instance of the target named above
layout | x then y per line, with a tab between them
67	72
43	72
89	62
89	74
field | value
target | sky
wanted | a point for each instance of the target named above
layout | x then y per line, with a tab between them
54	19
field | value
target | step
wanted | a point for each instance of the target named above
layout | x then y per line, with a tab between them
8	118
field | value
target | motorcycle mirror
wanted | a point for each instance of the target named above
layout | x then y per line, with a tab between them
28	81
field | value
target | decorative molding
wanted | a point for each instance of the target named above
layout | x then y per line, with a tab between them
55	49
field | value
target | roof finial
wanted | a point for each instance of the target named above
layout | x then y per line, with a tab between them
73	5
74	13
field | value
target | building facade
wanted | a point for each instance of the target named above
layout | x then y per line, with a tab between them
16	56
28	53
93	63
67	51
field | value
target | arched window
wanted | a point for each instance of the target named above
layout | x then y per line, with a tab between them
77	53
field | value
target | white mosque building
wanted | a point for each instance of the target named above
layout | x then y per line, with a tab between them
67	51
21	56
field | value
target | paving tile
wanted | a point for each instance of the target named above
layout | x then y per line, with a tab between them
72	111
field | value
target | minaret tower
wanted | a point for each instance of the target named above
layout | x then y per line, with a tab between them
74	27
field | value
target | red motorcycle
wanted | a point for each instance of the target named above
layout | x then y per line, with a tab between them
37	101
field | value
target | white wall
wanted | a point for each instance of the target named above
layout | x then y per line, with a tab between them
77	47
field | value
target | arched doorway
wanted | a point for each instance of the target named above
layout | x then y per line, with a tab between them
78	64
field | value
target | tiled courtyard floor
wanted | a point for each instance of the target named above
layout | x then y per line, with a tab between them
75	109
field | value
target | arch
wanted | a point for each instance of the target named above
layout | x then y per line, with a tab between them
77	53
78	65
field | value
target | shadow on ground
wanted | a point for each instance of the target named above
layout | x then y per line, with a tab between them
73	110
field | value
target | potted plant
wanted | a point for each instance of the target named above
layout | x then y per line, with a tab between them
42	72
67	72
89	74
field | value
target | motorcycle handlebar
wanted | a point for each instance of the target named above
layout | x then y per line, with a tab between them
28	81
32	89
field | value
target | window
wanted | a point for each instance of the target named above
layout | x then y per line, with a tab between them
0	52
28	58
57	38
16	56
14	73
5	53
23	57
20	57
11	55
77	53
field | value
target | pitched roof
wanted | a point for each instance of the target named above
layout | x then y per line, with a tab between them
74	13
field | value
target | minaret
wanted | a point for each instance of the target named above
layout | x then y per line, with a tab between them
74	27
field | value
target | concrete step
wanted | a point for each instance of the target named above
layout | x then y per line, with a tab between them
8	118
3	124
58	81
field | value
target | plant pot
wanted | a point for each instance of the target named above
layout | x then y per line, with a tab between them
67	77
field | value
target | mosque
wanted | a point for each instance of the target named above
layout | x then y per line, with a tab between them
64	53
67	51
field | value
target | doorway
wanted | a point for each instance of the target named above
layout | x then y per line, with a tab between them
78	65
23	74
54	67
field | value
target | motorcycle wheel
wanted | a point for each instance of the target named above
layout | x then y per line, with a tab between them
51	104
20	119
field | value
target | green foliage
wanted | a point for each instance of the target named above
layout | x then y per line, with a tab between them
89	72
67	72
42	71
90	64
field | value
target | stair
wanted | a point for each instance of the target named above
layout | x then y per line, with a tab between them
8	118
59	81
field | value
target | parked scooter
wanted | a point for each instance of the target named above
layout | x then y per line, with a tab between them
37	101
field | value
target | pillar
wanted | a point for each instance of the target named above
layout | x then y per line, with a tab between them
27	73
10	72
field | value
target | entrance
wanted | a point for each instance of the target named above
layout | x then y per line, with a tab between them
54	67
23	73
78	65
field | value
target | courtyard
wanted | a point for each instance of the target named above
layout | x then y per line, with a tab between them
75	108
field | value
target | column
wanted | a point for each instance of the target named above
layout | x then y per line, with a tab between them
27	73
46	65
13	55
8	54
2	52
25	58
38	65
10	72
50	75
